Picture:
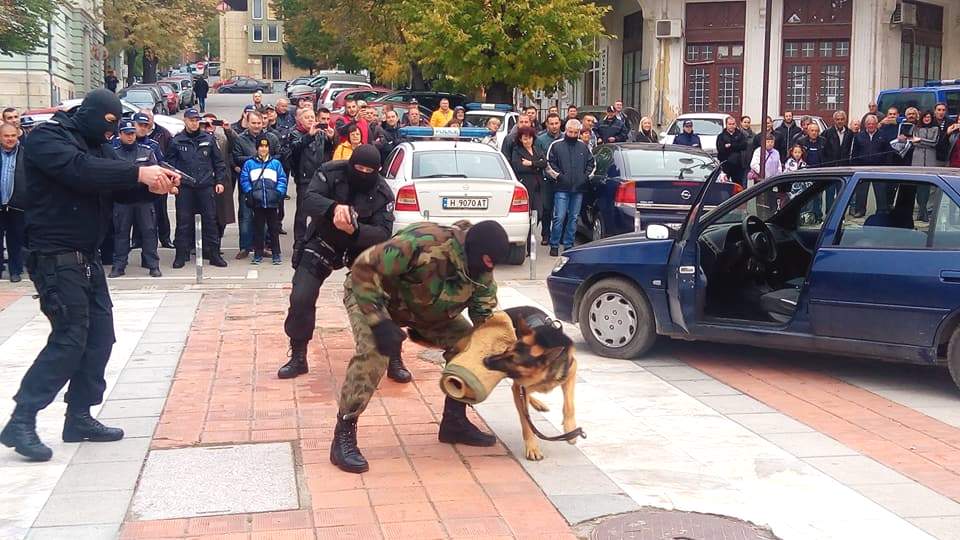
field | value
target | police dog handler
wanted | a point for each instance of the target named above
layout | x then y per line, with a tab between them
74	174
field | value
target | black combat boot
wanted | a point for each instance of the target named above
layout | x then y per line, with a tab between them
180	259
397	371
344	452
79	426
218	261
20	434
298	361
455	428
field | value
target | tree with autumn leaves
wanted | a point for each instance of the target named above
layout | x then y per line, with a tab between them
493	45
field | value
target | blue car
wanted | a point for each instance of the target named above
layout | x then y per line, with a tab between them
924	98
638	184
785	264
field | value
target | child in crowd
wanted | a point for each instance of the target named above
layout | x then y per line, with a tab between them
264	184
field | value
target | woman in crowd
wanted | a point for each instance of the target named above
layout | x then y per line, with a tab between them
345	149
528	163
926	134
646	134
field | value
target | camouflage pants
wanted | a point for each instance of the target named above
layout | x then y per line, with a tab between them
368	366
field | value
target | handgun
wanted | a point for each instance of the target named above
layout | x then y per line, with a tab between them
185	179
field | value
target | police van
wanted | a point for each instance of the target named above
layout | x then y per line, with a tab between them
924	98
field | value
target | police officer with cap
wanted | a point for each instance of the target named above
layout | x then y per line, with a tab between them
141	213
350	208
71	166
195	152
157	138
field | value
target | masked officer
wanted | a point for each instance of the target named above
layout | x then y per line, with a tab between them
195	152
422	278
71	166
351	208
141	213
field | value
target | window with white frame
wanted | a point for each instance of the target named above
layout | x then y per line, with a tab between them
257	9
257	33
273	33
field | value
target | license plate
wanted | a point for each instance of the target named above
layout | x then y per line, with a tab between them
466	203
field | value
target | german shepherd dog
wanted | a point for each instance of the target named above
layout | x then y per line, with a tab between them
540	360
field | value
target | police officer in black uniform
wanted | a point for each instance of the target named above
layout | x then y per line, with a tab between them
142	213
195	152
351	188
73	174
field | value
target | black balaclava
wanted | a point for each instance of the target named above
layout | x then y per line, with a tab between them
368	156
89	117
485	238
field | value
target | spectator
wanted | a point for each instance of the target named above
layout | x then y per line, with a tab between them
258	101
813	145
389	135
569	166
804	123
245	149
530	111
543	142
286	119
454	123
226	213
241	125
442	116
618	106
200	90
611	129
270	120
730	143
572	114
890	130
589	123
871	109
493	125
869	147
585	136
838	140
687	137
926	134
12	116
460	115
770	157
746	126
110	81
305	104
351	115
264	185
646	134
528	163
13	187
942	122
413	117
786	133
553	109
855	127
552	133
511	139
953	149
345	149
796	160
323	124
760	138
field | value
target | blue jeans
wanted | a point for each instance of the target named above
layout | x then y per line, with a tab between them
566	208
245	224
202	101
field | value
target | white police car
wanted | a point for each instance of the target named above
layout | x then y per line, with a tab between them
441	175
478	114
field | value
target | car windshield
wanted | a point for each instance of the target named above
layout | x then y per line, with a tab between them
701	126
660	163
166	88
453	163
481	119
139	96
318	81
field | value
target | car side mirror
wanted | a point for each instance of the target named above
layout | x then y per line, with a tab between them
657	231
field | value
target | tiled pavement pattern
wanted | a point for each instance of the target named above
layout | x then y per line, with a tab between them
226	391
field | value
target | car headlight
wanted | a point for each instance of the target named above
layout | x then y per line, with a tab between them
561	261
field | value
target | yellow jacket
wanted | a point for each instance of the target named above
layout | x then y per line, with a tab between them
344	151
439	119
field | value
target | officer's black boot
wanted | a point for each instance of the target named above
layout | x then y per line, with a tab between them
20	434
217	260
344	452
298	361
180	259
80	426
455	428
397	371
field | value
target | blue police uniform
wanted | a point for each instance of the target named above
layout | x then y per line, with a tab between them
141	213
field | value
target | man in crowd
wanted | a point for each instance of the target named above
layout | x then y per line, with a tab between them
226	138
13	197
569	166
760	138
837	142
814	146
611	129
531	112
572	114
258	102
70	164
244	149
390	287
414	118
746	155
442	116
351	208
871	109
618	106
784	134
110	81
270	120
141	212
286	118
305	150
389	134
869	147
543	141
157	137
687	137
511	139
943	123
730	143
589	123
200	90
351	115
12	116
195	152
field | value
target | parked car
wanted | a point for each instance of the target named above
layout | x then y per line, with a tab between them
215	87
297	81
172	124
172	95
706	125
923	97
883	286
184	88
430	100
340	96
246	85
643	183
144	97
478	114
445	181
315	86
327	92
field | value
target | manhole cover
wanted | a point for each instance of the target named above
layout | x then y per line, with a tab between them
213	480
656	524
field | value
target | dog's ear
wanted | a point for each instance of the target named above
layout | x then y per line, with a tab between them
523	329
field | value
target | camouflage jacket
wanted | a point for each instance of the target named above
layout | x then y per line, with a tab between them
420	276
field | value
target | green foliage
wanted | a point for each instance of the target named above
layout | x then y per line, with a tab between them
163	28
307	44
23	25
211	37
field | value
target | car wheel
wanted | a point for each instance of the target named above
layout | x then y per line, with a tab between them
518	253
597	228
953	357
616	319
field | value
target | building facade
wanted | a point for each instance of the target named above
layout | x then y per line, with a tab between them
251	42
825	55
67	66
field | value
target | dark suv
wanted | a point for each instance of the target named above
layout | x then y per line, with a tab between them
426	98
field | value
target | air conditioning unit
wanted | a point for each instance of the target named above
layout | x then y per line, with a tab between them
669	28
904	14
244	29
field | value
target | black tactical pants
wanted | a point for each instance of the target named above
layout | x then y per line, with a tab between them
300	218
163	219
302	315
192	201
74	297
144	215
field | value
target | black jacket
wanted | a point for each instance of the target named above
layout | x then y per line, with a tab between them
71	186
569	164
197	156
611	127
530	176
870	151
201	88
816	151
838	153
385	138
19	196
302	154
162	136
140	154
729	156
246	147
785	135
329	187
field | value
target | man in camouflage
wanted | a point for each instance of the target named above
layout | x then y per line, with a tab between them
422	279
